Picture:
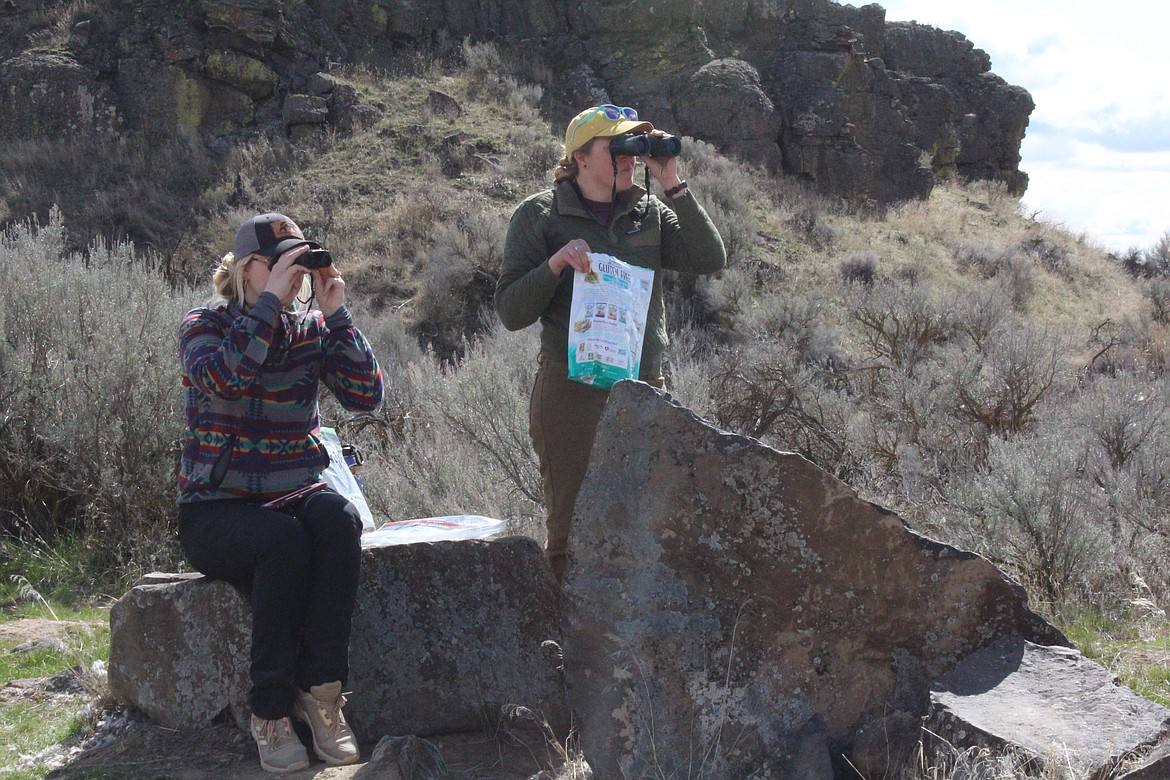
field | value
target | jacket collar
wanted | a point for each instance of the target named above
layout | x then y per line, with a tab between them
568	201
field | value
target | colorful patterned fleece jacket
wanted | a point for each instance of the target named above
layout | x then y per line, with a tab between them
251	381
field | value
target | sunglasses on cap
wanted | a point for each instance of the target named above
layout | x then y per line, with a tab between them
611	112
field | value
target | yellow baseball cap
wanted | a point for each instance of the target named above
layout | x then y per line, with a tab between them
605	120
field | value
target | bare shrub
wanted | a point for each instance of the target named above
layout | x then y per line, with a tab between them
1134	345
714	304
1157	291
459	280
533	155
1123	422
1120	414
1016	270
108	189
809	222
858	268
688	370
801	323
1047	254
764	392
1001	387
728	194
453	438
910	433
490	77
899	323
1154	261
978	313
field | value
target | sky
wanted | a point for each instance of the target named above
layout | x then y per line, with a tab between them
1097	151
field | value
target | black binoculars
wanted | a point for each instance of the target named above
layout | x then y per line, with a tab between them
645	145
315	258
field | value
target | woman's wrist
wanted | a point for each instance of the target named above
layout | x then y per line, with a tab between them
675	190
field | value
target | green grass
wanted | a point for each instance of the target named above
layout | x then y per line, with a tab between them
33	571
35	722
1136	650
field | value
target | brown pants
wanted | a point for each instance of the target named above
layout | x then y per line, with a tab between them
562	421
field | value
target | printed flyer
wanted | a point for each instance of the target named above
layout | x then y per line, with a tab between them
608	321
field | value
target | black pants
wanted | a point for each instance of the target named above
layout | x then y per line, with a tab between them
301	571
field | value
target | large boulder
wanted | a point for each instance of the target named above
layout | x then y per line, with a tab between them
734	607
51	95
970	120
729	103
1004	696
445	636
179	648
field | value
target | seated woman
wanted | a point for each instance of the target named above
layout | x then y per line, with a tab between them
251	366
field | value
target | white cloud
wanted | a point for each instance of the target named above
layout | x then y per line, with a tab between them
1097	141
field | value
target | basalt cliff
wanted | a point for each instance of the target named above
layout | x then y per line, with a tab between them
864	109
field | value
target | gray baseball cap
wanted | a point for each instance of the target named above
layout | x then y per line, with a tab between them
270	235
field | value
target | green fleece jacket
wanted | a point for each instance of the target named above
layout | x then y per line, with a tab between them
675	237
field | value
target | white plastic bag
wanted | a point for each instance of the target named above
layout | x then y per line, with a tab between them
607	321
341	479
433	529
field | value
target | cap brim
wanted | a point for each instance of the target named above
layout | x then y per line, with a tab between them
626	126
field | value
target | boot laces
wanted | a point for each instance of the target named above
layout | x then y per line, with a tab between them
331	716
277	732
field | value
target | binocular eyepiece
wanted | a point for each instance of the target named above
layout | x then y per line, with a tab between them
645	145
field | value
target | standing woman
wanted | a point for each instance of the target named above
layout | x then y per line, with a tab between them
251	369
594	206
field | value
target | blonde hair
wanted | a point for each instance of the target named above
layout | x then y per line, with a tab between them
229	285
227	281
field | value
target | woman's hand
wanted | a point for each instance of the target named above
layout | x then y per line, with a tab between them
663	169
330	289
285	277
574	254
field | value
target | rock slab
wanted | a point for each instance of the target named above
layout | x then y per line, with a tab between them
1048	703
735	609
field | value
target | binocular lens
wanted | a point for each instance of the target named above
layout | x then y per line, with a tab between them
645	145
316	258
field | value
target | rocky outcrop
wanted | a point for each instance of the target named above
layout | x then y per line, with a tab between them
1004	694
48	94
735	607
445	637
833	94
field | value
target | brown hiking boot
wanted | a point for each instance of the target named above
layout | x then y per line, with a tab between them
333	742
280	749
